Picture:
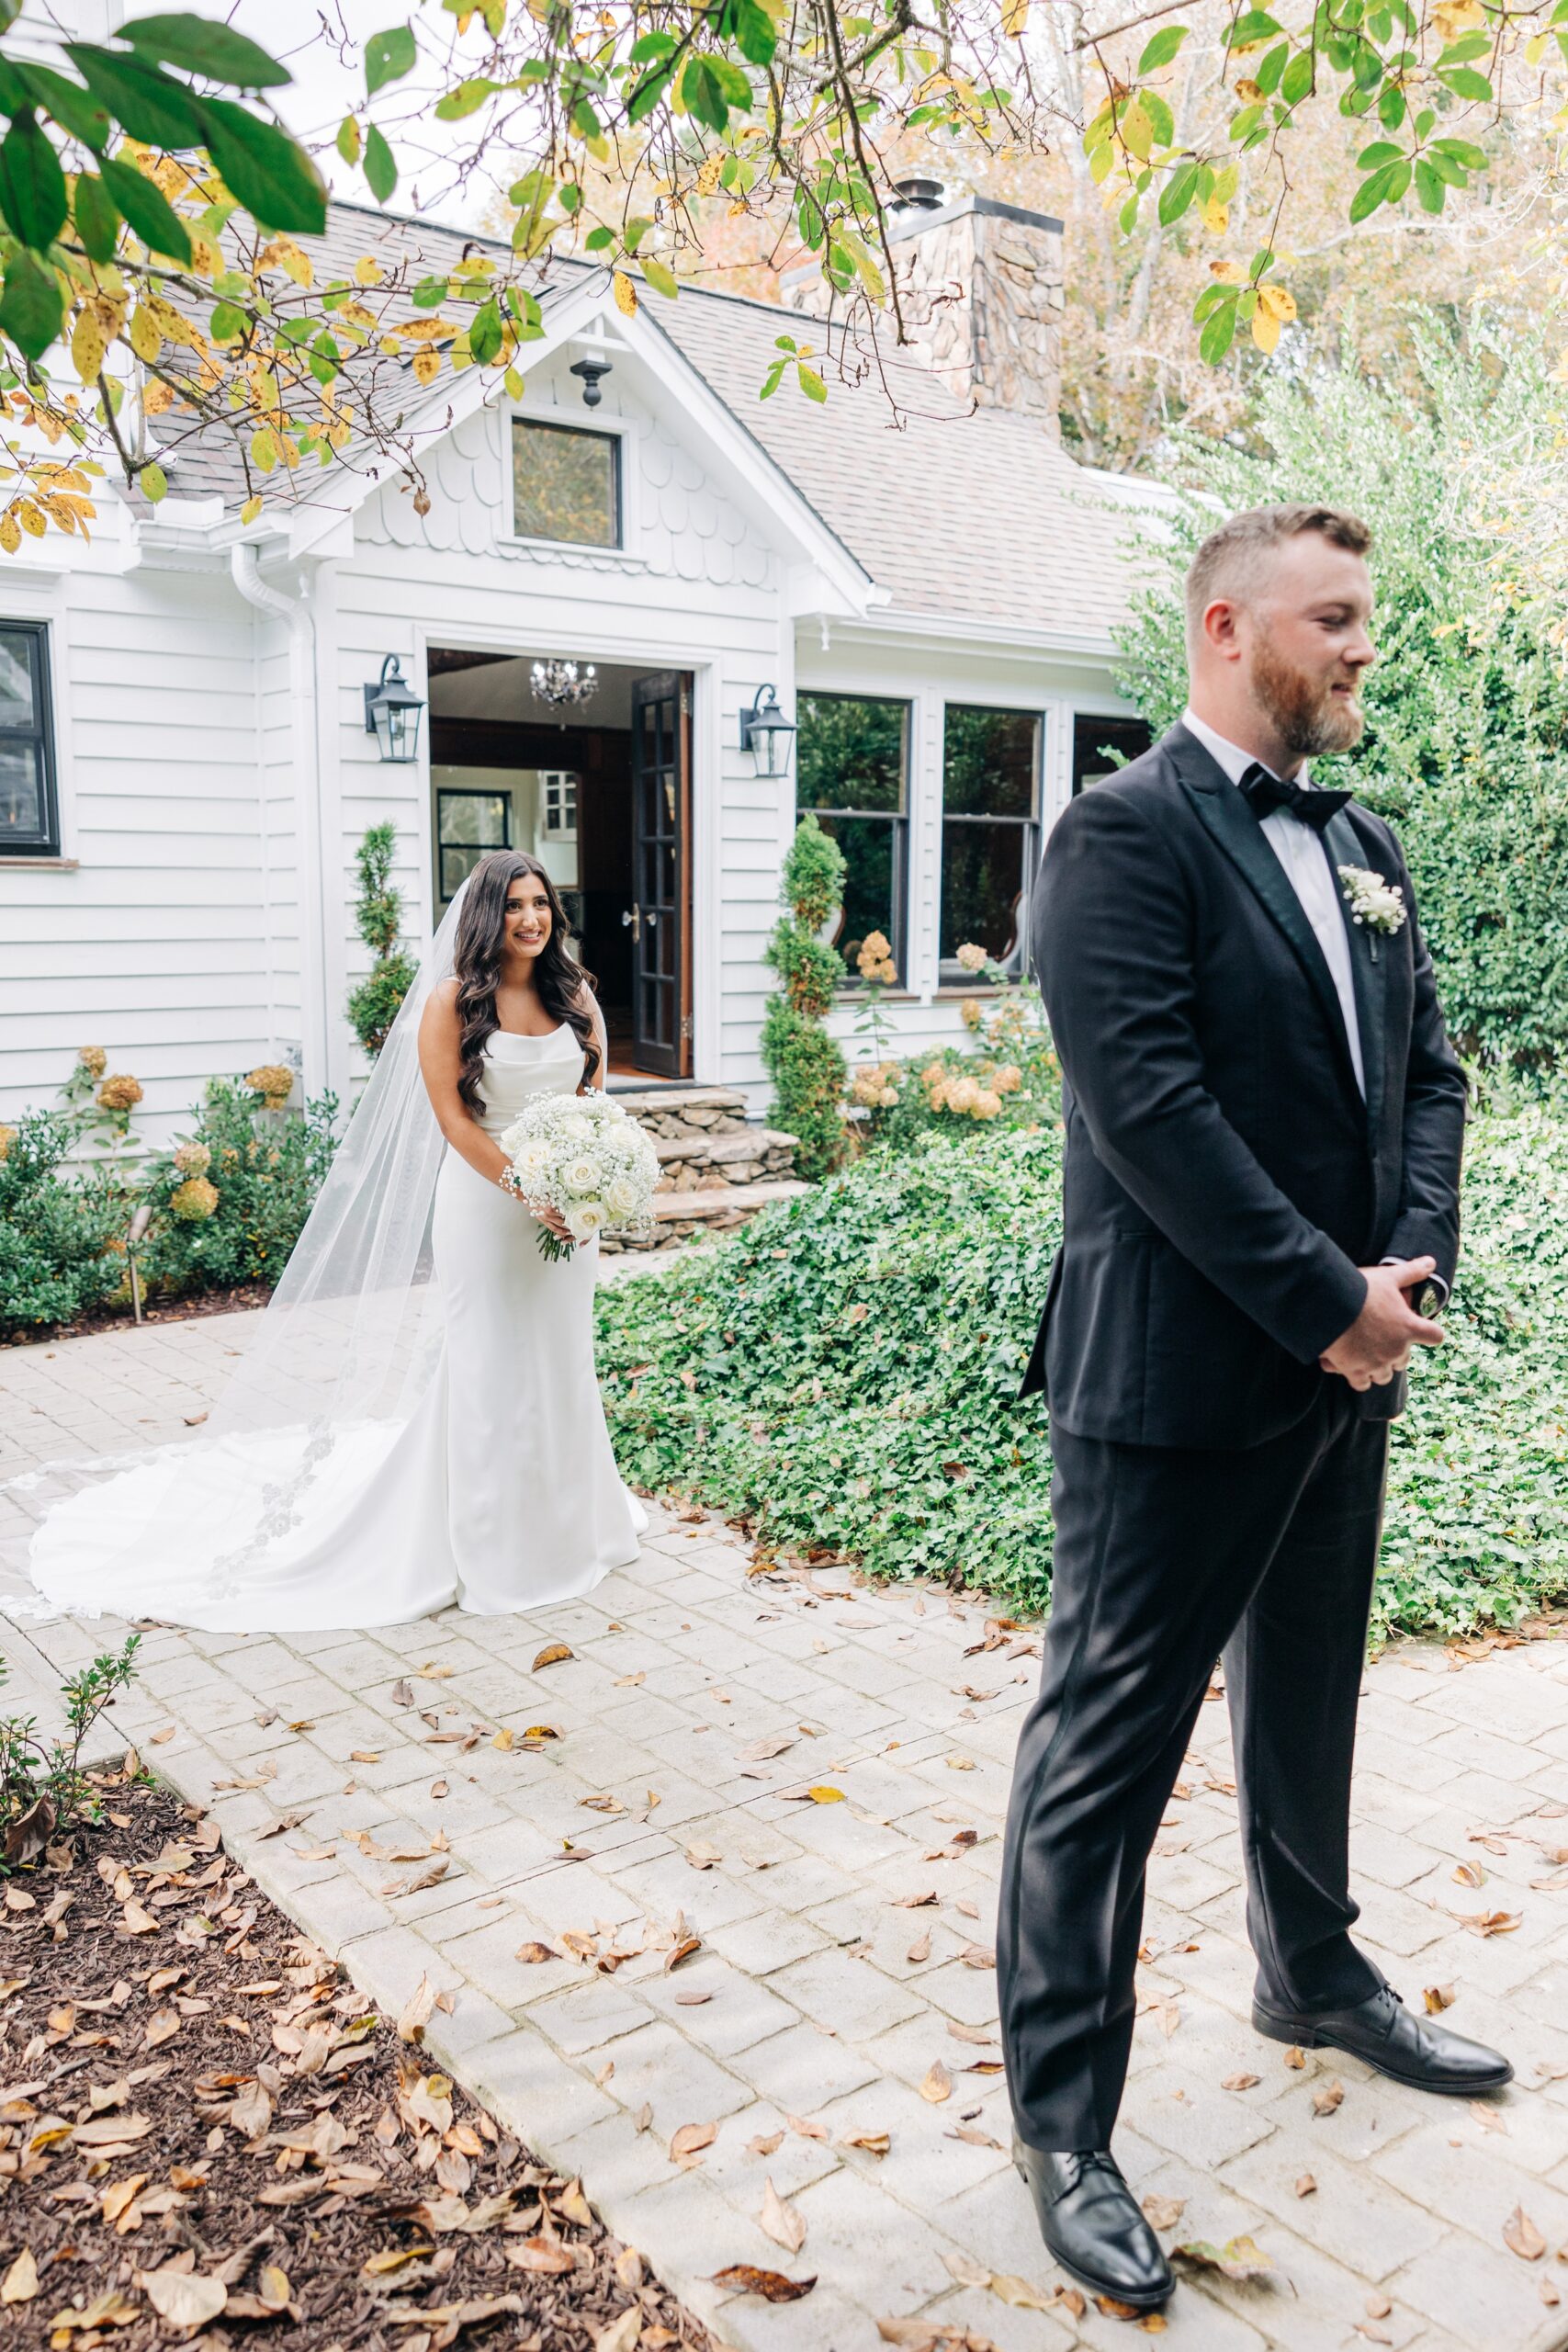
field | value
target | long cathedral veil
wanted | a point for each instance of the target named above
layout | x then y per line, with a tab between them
335	1368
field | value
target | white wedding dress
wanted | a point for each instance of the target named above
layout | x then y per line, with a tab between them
490	1482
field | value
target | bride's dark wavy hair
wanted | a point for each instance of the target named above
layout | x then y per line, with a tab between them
559	976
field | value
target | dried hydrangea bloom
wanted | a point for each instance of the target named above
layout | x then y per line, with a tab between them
192	1159
971	958
1009	1079
272	1080
194	1201
120	1093
94	1059
7	1137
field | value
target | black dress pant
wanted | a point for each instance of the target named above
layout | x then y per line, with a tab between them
1164	1559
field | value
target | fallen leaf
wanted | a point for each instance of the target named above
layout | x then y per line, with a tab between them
765	2144
744	2278
1240	2082
774	1745
781	2221
1019	2294
185	2298
1379	2307
1438	1997
966	2270
1468	1874
1325	2101
1487	1923
621	2334
20	2283
875	2144
551	1655
1163	2212
418	2013
1305	2185
938	2084
627	1681
690	2137
703	1856
1238	2258
1489	2117
681	1950
806	2128
1295	2057
826	1796
161	1738
1521	2236
533	1951
139	1922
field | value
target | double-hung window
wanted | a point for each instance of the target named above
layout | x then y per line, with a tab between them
29	820
990	833
851	770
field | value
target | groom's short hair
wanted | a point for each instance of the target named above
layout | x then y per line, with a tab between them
1234	559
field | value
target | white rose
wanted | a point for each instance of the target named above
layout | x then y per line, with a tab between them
581	1175
585	1220
623	1196
572	1128
532	1160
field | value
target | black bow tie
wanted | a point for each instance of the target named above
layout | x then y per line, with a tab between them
1264	793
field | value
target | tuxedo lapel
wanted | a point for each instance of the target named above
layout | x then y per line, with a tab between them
1370	965
1230	822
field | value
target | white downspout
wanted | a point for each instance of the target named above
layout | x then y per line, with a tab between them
295	613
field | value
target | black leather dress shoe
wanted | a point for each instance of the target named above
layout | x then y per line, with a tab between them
1090	2222
1385	2034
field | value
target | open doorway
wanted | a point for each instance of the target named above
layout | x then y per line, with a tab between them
599	790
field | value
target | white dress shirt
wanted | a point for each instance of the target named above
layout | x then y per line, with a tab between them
1304	856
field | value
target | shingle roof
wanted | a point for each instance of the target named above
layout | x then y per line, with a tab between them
969	515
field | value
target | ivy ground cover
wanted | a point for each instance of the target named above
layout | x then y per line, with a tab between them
844	1375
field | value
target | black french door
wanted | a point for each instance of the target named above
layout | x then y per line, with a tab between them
660	916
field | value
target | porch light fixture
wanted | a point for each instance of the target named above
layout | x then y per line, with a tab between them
591	370
767	734
392	714
562	684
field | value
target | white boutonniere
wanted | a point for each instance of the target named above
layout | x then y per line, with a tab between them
1371	900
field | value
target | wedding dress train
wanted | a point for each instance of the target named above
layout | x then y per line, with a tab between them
492	1483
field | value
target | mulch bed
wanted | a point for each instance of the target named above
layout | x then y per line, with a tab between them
207	2138
121	1319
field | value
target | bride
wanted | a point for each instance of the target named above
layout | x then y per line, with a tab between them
417	1420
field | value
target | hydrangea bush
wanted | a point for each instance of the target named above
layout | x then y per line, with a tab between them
843	1374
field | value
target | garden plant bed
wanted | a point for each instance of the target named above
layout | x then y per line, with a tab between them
206	2135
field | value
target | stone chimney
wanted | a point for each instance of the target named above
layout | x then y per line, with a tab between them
980	287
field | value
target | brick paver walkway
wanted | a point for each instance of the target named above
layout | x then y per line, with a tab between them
841	1986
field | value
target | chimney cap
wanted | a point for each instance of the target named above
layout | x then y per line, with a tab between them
919	195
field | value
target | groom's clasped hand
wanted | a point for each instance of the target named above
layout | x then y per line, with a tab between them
1264	1126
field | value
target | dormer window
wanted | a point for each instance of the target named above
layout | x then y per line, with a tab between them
566	484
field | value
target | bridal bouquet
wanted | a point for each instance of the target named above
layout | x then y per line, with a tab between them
581	1155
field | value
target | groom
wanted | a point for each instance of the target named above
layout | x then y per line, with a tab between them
1264	1123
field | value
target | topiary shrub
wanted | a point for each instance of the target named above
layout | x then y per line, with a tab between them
805	1063
843	1376
374	1004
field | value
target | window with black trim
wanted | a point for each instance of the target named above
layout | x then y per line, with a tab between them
566	484
468	825
851	767
1103	746
29	809
990	831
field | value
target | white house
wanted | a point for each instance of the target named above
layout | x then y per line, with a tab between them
927	589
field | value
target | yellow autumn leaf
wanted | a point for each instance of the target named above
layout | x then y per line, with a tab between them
264	449
1278	301
1455	16
251	509
20	2282
1015	17
88	343
366	272
157	399
427	365
10	536
1216	216
1265	329
708	177
146	338
32	522
826	1796
626	294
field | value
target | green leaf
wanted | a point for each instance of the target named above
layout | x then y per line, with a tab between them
1252	25
648	94
348	142
1246	122
1161	120
198	45
1453	174
1271	68
274	179
1429	190
1161	49
1380	151
1466	82
703	92
74	109
1178	193
31	305
147	102
98	221
811	383
380	169
388	56
227	323
484	334
662	280
1464	51
1391	107
773	379
1384	186
467	98
1295	83
429	294
1219	333
32	186
1463	151
153	482
148	210
652	46
754	34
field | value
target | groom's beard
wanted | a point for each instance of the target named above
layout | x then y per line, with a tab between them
1309	717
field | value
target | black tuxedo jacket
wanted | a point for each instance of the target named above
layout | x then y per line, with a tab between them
1224	1177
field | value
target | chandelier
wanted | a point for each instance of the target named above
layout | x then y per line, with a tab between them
564	684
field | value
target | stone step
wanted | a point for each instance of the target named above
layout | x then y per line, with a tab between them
691	1163
686	1110
679	1214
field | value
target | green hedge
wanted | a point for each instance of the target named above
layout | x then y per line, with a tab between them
843	1374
